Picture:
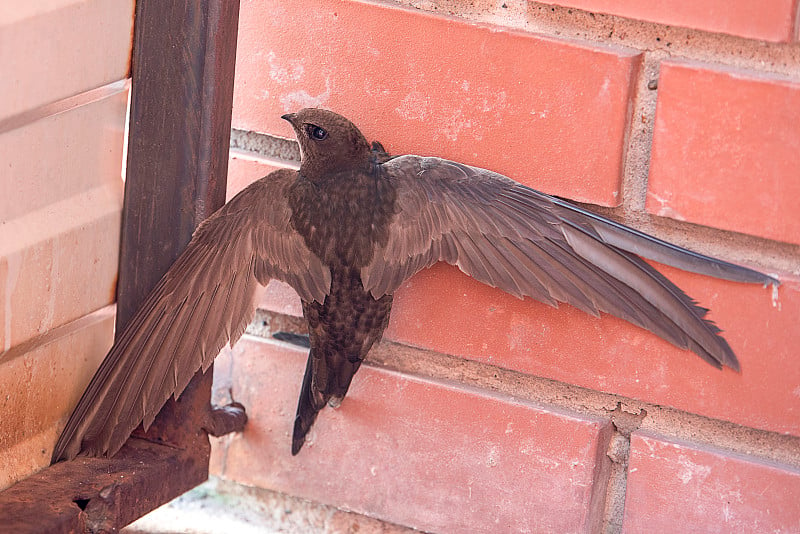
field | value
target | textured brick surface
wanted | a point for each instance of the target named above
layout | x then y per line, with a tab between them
612	355
242	171
55	49
675	486
459	93
417	452
59	235
40	386
725	151
770	20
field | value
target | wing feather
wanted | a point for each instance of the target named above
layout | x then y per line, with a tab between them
528	243
204	301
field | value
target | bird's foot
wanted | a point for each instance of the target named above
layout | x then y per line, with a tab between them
223	420
335	402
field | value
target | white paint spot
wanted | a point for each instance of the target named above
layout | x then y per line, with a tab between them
415	106
284	74
456	123
491	458
301	99
493	100
664	209
726	512
455	119
689	470
540	114
604	89
528	448
548	463
776	303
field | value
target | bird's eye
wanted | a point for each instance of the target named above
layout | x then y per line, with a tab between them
315	132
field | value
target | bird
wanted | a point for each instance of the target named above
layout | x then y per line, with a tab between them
345	231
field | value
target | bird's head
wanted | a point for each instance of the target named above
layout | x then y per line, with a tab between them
329	143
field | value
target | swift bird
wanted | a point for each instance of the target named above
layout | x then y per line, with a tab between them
345	231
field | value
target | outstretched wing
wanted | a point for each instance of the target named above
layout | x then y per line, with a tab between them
531	244
204	301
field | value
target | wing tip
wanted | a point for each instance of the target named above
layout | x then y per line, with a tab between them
58	456
730	360
721	355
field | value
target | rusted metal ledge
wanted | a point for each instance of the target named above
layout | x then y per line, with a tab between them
100	494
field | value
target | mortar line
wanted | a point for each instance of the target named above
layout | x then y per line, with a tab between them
639	137
725	436
610	31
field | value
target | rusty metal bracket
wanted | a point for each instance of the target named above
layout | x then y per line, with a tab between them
100	494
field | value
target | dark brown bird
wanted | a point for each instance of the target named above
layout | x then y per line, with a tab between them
345	232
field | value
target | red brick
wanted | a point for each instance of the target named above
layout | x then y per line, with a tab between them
244	170
444	310
675	486
433	455
725	151
770	20
279	297
550	113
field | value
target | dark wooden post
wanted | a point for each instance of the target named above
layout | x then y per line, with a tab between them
182	88
180	122
182	68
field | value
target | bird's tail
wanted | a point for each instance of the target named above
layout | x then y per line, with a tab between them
308	406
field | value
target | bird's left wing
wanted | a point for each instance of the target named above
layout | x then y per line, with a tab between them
203	301
531	244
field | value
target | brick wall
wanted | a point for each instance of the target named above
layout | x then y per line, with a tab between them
63	99
482	412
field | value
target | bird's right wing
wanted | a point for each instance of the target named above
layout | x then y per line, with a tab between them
203	301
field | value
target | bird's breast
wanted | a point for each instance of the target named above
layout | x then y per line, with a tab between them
343	220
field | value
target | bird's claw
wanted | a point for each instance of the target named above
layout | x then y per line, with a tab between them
223	420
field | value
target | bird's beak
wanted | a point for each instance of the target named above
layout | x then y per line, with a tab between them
290	118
